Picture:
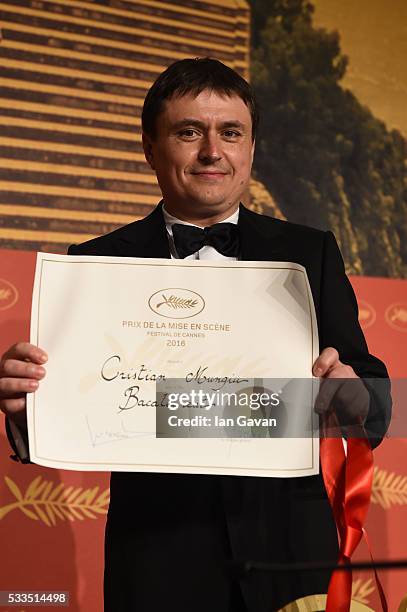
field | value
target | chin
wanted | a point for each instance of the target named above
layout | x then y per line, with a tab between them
210	201
211	207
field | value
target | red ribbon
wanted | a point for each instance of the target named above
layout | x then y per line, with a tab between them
348	481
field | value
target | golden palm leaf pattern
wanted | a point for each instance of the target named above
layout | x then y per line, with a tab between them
388	489
176	302
361	589
47	501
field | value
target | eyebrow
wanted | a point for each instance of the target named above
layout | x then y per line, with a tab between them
200	124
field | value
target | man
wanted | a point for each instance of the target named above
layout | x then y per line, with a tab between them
171	538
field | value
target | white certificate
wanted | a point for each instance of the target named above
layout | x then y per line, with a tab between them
159	365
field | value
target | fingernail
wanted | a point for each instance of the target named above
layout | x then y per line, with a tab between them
33	384
43	358
35	371
318	371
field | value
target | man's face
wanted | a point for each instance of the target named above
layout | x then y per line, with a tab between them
202	153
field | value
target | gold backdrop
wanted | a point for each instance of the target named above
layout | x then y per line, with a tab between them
73	78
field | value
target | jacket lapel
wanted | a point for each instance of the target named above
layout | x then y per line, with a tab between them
261	238
147	237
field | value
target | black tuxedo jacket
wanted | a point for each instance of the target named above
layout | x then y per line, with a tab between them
170	537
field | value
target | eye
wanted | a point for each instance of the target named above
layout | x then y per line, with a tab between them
231	134
187	133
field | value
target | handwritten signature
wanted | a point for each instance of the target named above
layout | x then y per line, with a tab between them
107	436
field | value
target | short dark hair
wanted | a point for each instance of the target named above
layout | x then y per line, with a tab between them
192	76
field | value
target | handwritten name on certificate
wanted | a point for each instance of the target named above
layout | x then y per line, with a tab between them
160	365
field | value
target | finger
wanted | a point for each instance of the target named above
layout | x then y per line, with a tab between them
14	408
26	351
342	388
326	360
327	391
21	369
347	398
15	386
341	370
353	401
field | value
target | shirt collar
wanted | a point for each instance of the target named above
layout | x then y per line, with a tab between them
170	220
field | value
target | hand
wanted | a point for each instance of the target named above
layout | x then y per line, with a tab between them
21	369
341	392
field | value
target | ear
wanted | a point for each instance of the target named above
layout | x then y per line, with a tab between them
148	149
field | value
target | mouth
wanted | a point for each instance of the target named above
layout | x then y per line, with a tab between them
205	174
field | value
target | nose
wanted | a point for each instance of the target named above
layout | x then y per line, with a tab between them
209	151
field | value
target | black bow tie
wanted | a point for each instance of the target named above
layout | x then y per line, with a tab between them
222	236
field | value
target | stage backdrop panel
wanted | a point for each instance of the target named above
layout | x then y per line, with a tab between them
73	77
73	80
52	521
